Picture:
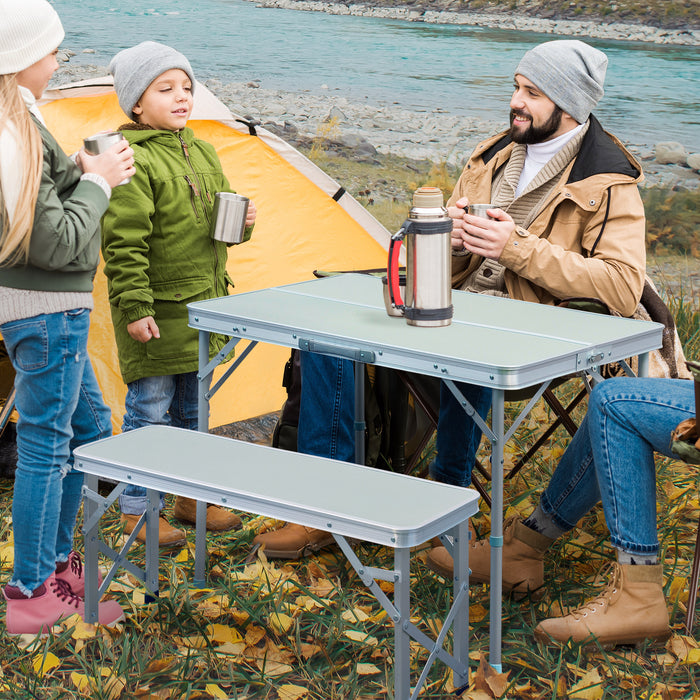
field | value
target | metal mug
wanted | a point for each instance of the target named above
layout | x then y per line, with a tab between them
480	210
228	218
390	308
99	143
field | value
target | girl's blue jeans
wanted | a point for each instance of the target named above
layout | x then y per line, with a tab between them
170	399
611	458
60	407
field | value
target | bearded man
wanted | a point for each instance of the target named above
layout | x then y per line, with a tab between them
567	221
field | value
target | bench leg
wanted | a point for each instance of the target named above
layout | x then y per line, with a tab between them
152	518
460	644
200	546
91	549
402	603
400	613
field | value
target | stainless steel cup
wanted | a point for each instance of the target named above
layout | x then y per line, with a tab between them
390	308
99	143
228	218
480	210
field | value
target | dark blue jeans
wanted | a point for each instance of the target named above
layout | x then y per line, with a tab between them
327	407
458	436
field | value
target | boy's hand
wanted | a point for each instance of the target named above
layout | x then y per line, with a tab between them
115	165
144	329
252	213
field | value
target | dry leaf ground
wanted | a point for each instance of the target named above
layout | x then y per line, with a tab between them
311	630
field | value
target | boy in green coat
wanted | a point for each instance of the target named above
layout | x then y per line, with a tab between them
159	256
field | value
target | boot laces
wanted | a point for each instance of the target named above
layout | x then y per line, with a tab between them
606	597
64	592
76	564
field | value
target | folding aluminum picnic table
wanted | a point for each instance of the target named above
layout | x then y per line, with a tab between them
493	342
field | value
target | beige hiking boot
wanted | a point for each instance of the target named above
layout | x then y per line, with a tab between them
523	560
168	536
631	609
218	519
293	541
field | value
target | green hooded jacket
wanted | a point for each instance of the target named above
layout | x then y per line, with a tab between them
157	250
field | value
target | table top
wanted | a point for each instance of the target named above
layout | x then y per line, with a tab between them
347	499
492	341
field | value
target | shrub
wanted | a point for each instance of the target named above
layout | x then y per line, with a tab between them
673	219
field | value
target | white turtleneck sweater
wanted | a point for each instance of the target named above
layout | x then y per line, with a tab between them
538	154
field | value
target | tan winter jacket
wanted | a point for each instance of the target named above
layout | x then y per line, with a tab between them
588	239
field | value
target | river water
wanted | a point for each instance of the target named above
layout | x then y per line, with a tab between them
652	92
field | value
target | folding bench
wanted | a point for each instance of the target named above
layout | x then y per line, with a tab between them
349	500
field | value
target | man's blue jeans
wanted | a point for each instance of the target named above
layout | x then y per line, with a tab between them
60	407
611	458
327	407
167	400
458	436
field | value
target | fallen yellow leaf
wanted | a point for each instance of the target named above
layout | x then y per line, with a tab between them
280	623
215	691
355	615
83	630
590	687
220	634
43	663
367	670
291	692
182	556
693	657
361	637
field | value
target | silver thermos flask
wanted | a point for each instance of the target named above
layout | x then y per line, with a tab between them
426	234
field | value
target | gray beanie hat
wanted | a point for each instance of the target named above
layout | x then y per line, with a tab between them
570	72
136	68
29	31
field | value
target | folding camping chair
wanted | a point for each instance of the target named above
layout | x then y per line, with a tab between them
685	443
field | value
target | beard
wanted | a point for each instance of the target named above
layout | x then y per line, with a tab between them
535	134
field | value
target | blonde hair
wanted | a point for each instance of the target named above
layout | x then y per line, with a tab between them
15	236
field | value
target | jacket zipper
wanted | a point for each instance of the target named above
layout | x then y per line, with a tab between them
195	185
196	190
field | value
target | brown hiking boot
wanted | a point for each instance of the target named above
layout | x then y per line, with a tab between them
523	560
218	519
168	536
631	609
293	541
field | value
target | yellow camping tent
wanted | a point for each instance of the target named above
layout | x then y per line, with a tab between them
305	222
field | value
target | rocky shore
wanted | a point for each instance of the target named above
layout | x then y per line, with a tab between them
367	131
417	12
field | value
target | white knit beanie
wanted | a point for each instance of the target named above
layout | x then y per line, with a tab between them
29	31
136	68
570	72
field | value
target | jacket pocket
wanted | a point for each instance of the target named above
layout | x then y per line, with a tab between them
177	340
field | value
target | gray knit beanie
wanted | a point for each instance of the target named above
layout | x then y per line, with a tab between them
570	72
136	68
29	31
